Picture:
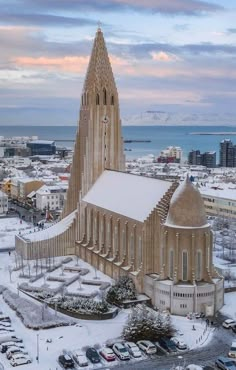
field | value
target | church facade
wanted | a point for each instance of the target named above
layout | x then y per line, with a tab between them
154	230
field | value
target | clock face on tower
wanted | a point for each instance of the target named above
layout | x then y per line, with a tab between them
105	120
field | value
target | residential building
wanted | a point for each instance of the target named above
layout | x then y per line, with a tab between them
50	197
207	159
3	203
227	153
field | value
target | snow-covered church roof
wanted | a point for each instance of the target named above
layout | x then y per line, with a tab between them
128	195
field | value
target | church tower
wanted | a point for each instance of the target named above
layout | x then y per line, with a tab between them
99	144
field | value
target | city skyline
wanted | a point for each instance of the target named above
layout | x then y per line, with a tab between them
176	56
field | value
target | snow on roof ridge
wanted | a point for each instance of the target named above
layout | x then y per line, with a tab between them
51	231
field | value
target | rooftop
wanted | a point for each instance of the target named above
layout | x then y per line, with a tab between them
129	195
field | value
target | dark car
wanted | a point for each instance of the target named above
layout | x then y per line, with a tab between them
167	344
92	355
234	328
66	361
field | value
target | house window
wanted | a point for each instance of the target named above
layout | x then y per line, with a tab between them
185	266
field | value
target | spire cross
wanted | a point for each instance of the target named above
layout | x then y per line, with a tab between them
99	25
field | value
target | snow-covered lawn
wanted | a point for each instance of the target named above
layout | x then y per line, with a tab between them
9	227
229	308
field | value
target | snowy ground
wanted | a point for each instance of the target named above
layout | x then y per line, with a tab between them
84	333
9	227
229	308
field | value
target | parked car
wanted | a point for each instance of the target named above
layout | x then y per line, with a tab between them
5	324
179	343
80	358
6	338
93	355
160	351
133	349
232	351
66	361
147	346
16	361
5	318
229	323
121	351
108	354
6	330
168	344
4	347
225	363
14	350
234	328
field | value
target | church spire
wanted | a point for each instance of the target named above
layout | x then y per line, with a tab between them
99	143
99	72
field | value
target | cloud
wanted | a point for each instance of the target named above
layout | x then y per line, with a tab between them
231	30
162	56
189	7
49	20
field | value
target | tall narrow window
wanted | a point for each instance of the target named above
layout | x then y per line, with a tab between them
104	97
112	100
140	250
171	266
185	266
199	265
123	242
87	99
131	246
97	99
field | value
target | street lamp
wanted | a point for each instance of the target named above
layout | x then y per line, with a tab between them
37	357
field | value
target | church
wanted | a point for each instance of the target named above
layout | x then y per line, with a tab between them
153	230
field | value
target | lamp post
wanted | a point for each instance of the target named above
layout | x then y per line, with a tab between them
37	357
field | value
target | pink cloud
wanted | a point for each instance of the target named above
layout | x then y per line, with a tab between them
162	56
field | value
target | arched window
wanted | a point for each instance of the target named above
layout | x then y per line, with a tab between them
82	99
199	265
97	99
185	266
112	100
171	264
87	99
104	97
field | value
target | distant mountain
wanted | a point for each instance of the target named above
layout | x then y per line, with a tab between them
158	118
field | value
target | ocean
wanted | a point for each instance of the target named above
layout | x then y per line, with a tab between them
160	136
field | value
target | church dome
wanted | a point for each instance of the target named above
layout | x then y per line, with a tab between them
186	207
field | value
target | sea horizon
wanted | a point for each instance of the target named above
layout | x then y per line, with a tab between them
187	137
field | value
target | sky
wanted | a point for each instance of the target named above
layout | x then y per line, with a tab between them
168	55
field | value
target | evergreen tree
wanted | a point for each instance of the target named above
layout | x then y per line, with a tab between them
146	324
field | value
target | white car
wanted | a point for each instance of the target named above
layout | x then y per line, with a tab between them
232	351
80	358
15	350
147	346
179	343
121	351
227	324
133	349
16	361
